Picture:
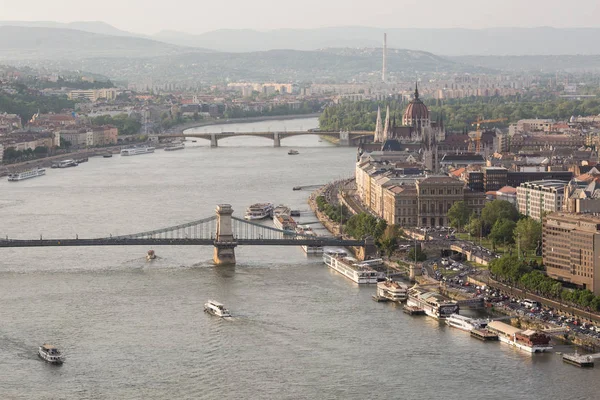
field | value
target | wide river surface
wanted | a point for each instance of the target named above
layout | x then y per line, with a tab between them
133	329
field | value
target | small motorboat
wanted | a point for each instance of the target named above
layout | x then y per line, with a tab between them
293	152
217	309
50	353
150	255
107	155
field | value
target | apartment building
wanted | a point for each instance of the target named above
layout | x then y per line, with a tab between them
539	197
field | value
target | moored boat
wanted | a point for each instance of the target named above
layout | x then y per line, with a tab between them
217	309
175	146
392	290
280	210
137	150
32	173
528	340
465	323
350	268
434	304
285	222
107	155
306	232
67	164
50	353
579	360
259	211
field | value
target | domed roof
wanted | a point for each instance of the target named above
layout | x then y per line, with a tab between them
416	109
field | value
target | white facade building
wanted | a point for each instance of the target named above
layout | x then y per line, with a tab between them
539	197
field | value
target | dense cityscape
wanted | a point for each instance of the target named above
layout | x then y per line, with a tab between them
311	200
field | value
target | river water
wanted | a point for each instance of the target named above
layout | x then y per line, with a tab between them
133	329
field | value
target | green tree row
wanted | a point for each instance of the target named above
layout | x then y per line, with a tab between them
306	107
25	104
336	213
458	114
528	276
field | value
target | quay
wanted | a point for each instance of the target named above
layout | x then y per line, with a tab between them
380	299
484	334
579	360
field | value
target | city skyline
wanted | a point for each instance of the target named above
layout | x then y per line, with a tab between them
264	15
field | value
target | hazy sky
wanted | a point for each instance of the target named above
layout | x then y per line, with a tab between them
196	16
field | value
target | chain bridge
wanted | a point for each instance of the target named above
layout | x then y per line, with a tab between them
345	138
223	231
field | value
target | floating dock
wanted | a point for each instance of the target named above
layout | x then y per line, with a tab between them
484	334
380	299
412	310
583	361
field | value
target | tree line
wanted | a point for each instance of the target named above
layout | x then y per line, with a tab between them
458	114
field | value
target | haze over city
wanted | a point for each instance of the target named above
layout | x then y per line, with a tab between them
193	16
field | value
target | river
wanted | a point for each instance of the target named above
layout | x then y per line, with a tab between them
133	329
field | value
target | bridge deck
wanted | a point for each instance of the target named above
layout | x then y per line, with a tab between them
176	242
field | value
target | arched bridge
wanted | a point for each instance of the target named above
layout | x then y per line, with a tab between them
223	231
345	138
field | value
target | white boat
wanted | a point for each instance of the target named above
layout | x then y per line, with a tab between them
434	304
216	308
281	210
308	233
51	354
134	151
293	152
259	211
32	173
465	323
350	268
529	340
175	146
67	164
392	290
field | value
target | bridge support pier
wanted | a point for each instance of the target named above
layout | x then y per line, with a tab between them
225	243
344	138
276	140
213	140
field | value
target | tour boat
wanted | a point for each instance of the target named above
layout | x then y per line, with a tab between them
306	232
350	268
281	209
434	304
51	354
529	340
67	164
259	211
134	151
217	309
175	146
465	323
32	173
293	152
393	291
285	222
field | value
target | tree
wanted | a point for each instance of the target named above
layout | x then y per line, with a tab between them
528	233
475	226
498	209
502	231
389	240
65	143
420	254
458	215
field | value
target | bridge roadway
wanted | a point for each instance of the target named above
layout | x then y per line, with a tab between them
176	242
345	138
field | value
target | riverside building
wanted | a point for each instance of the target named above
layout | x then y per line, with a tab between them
571	249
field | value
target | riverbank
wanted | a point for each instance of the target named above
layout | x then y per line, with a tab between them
190	125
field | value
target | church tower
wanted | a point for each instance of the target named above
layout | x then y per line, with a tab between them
378	128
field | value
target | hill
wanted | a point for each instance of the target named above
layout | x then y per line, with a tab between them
452	41
27	43
548	63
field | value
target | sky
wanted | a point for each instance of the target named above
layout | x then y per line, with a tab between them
197	16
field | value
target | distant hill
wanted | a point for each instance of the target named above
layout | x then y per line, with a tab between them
454	42
87	26
569	63
26	43
330	65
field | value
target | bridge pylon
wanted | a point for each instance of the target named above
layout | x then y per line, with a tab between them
213	140
276	140
225	243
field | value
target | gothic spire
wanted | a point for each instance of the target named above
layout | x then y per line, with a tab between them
386	129
416	90
378	127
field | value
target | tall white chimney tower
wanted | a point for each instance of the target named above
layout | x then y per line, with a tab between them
383	71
